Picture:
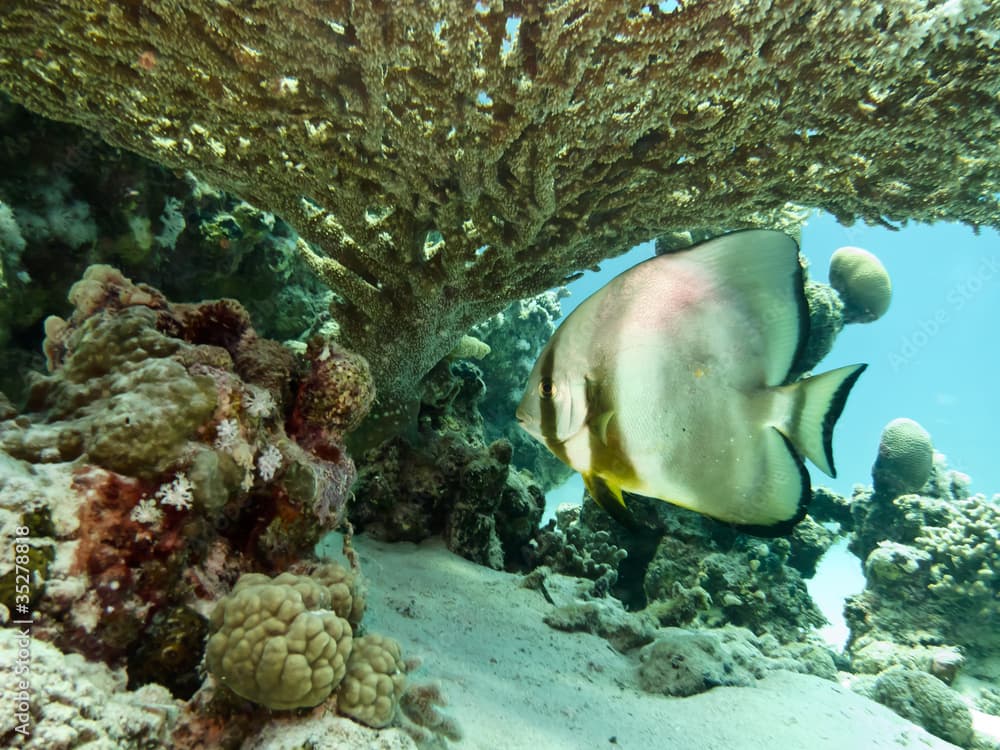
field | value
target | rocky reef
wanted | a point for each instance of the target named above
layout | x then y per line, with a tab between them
388	190
69	200
447	480
929	551
516	336
719	608
930	559
683	569
168	461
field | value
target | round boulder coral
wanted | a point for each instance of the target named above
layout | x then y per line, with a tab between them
347	594
905	458
863	284
374	681
278	642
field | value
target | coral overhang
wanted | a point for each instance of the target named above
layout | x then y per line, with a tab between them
447	157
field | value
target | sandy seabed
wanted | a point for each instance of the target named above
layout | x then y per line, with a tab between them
514	682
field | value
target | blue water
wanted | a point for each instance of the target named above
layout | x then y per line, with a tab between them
934	356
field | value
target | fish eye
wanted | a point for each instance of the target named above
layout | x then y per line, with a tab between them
546	388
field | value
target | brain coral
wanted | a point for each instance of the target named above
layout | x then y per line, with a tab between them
862	282
905	458
277	642
445	162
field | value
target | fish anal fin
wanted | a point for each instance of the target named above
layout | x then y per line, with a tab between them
609	497
782	498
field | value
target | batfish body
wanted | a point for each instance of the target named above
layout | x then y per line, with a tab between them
671	382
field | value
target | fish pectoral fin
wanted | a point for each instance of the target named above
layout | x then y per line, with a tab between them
599	414
609	497
601	428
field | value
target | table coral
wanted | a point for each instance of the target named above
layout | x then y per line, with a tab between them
446	162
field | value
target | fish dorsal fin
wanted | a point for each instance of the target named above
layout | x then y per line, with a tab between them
761	267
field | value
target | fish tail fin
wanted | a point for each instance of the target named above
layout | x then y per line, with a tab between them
609	498
816	406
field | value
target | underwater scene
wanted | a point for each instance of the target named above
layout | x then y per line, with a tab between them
556	374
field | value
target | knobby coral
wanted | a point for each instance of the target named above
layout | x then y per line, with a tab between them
446	161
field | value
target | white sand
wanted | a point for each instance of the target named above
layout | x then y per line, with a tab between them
513	682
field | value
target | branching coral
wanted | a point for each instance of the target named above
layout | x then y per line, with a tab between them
571	548
446	161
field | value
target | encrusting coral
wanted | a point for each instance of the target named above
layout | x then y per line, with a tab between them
447	161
